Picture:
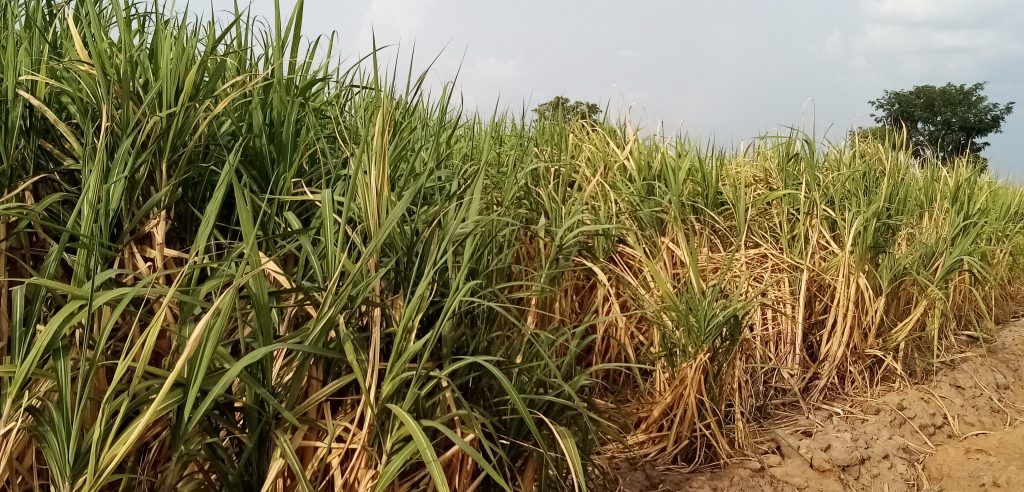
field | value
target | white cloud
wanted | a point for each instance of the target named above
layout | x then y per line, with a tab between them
859	64
495	68
483	77
933	12
391	21
931	40
849	53
940	37
834	46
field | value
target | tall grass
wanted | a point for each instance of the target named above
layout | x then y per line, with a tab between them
225	264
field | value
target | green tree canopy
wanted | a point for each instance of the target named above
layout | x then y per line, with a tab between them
561	108
945	122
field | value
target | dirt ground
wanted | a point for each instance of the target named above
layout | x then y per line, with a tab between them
962	431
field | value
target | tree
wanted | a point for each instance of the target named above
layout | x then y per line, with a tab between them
945	122
562	109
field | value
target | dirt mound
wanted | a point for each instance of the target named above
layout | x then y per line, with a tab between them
963	430
989	461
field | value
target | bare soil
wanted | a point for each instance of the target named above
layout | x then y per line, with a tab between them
963	430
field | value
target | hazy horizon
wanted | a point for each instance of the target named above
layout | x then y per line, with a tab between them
729	71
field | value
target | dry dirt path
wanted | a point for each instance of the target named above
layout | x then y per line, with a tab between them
961	431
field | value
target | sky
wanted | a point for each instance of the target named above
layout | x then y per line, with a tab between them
727	70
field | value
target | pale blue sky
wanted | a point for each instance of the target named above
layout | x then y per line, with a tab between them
729	68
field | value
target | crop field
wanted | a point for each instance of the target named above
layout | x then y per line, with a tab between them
229	262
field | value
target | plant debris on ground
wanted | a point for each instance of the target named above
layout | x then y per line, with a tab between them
962	430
